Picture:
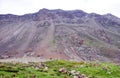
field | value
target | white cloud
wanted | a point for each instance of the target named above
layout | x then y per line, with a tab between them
30	6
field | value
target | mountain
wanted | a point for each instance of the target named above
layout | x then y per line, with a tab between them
59	34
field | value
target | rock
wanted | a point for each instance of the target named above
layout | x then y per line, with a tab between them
4	56
73	72
45	69
83	76
105	69
63	70
41	65
77	73
79	76
75	77
81	66
44	23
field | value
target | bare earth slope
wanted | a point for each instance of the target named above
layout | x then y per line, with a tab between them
58	34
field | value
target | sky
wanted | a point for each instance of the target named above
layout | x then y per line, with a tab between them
20	7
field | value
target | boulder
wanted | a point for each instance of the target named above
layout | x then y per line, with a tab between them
63	70
45	69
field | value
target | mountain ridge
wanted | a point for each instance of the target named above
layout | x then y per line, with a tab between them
58	10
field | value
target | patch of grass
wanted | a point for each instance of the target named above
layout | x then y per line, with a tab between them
96	69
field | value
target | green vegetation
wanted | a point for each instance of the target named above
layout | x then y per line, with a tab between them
37	70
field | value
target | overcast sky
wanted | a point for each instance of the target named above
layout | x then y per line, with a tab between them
21	7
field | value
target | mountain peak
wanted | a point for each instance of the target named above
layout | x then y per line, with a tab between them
44	9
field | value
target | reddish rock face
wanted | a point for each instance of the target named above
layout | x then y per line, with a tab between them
59	34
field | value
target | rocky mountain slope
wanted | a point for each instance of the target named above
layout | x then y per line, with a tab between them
59	34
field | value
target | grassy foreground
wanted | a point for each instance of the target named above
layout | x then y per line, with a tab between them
37	70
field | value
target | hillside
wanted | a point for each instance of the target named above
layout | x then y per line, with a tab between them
58	34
